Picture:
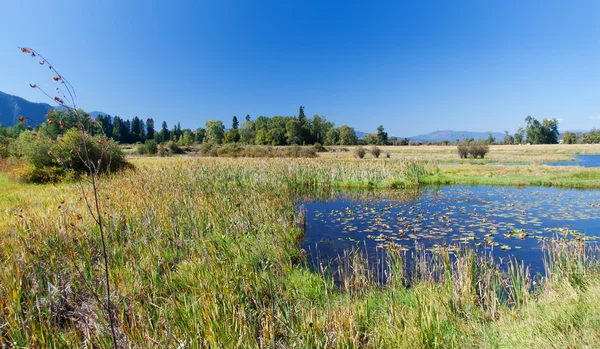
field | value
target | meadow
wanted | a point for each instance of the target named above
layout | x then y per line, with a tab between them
204	253
516	154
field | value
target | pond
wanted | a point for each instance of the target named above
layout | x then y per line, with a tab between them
503	221
585	160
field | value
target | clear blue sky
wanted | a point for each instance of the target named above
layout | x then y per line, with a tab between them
414	67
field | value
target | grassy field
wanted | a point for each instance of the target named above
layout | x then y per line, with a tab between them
498	153
204	253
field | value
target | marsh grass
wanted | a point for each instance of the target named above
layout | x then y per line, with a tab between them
205	254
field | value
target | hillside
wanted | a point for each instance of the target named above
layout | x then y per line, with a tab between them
448	135
11	107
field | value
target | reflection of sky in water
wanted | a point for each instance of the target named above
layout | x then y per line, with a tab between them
506	221
585	160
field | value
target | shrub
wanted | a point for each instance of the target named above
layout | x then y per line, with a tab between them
474	148
319	148
173	148
162	151
5	145
31	174
208	149
141	148
70	148
360	152
229	149
479	149
151	146
387	154
375	151
463	149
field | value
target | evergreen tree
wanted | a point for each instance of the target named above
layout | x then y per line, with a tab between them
247	117
382	137
165	134
135	129
301	115
116	129
235	123
149	128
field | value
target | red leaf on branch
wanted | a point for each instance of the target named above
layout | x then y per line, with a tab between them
42	62
21	118
56	78
25	50
33	85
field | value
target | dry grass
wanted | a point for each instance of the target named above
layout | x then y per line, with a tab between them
204	253
498	153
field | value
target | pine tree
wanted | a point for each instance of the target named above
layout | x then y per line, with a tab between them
149	128
235	123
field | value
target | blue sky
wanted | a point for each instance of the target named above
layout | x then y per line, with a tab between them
414	67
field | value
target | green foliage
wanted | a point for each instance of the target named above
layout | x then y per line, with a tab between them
37	151
231	136
247	133
569	138
256	151
382	136
545	132
214	131
47	158
104	154
293	132
5	145
150	147
592	137
508	139
235	123
519	136
347	135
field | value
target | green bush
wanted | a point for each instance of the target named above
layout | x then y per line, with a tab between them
150	147
5	146
49	160
71	151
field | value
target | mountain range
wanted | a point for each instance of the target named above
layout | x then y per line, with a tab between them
448	135
12	107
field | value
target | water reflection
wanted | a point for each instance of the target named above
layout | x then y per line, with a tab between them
502	221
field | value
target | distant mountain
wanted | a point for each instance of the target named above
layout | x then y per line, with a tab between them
360	134
95	114
11	107
448	135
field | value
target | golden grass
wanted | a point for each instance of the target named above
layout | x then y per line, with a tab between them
204	253
498	153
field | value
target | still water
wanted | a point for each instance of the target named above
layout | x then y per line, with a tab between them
505	221
590	160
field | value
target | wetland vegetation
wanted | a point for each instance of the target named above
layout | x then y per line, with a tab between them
206	252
